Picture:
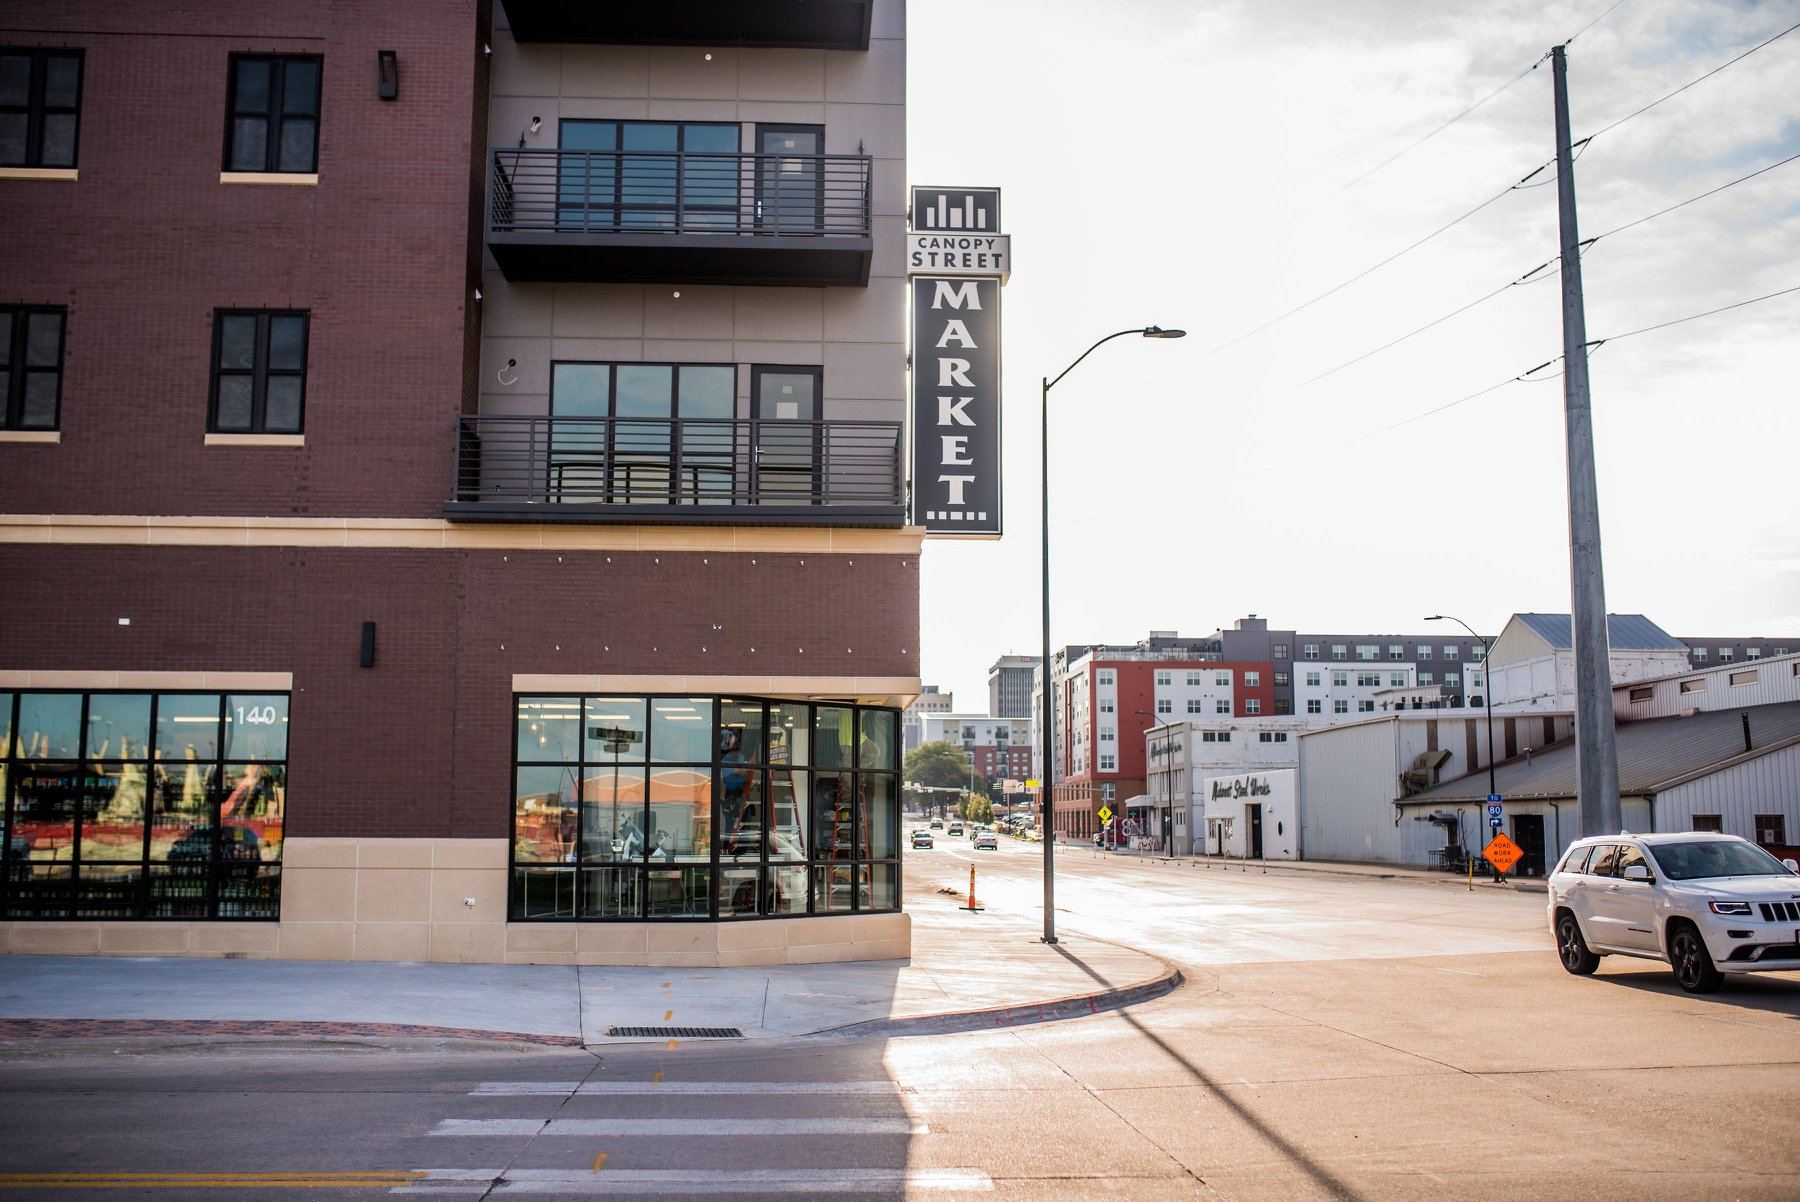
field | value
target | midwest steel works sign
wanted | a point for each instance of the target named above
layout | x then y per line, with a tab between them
958	260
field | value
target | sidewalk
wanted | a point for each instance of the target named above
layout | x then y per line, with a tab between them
1429	876
967	970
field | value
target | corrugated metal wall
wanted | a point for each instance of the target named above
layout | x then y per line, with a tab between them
1768	784
1349	777
1776	680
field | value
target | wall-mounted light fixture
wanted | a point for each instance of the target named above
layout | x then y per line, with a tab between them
537	123
387	75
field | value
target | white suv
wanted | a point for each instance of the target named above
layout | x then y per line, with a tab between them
1708	904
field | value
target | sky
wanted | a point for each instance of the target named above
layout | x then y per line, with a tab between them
1184	165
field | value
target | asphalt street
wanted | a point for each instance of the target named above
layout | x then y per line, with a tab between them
1337	1037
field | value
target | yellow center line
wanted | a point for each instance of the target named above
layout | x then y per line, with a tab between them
600	1161
671	1045
668	1014
656	1077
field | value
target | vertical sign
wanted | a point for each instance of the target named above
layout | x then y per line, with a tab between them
956	359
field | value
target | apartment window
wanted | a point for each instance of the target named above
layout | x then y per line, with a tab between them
259	372
1476	680
1699	654
1195	706
1221	707
1424	651
1340	680
1364	651
662	807
1164	679
1165	705
1427	678
1310	651
1216	736
1741	678
1453	679
1107	791
1108	762
1475	700
629	451
274	114
143	805
1753	653
1313	679
1365	707
1105	677
968	734
1252	679
1106	734
1781	651
1282	679
40	107
1340	707
1106	705
1368	680
1726	655
1283	706
1222	680
1314	706
1396	680
1396	652
1272	736
1252	706
1339	651
31	359
1280	651
1452	652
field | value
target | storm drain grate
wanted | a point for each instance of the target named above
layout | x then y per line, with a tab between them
675	1032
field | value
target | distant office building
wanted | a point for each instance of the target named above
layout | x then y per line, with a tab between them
1010	686
931	700
999	748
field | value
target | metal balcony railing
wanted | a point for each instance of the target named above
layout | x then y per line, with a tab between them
822	196
683	469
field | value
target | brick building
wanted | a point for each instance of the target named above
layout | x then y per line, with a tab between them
438	534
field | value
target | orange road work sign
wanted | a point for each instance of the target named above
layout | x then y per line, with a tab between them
1503	853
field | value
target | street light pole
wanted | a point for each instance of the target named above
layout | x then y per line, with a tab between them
1487	696
1048	819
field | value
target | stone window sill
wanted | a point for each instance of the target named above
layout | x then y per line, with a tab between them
269	177
256	440
38	436
65	174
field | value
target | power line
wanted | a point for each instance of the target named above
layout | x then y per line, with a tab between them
1690	83
1527	277
1663	325
1434	132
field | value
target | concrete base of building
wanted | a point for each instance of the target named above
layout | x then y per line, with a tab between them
444	901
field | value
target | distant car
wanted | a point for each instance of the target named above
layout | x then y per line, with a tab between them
921	839
955	829
1710	905
986	841
937	824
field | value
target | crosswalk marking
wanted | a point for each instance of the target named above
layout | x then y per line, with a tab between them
690	1088
686	1127
642	1182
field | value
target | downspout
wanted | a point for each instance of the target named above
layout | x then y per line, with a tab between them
1557	810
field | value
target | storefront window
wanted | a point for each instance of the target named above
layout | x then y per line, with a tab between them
702	808
142	805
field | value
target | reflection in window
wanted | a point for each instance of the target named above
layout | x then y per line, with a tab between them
700	807
129	807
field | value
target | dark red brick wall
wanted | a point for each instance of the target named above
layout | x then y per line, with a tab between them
148	242
418	746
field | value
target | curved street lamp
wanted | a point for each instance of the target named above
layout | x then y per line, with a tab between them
1048	820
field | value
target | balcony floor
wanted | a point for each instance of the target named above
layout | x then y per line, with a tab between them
618	258
877	516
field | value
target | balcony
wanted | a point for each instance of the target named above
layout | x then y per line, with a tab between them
680	217
717	471
807	24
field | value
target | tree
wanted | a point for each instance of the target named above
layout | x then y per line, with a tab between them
940	765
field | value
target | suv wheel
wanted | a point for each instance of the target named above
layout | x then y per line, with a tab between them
1572	948
1693	965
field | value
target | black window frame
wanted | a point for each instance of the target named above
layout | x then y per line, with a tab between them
12	402
197	889
274	115
620	212
766	862
35	108
259	372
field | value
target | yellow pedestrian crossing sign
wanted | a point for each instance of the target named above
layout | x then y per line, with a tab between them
1106	813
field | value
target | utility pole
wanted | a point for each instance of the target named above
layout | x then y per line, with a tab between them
1595	750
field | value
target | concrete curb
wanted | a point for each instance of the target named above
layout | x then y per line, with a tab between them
998	1017
32	1029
